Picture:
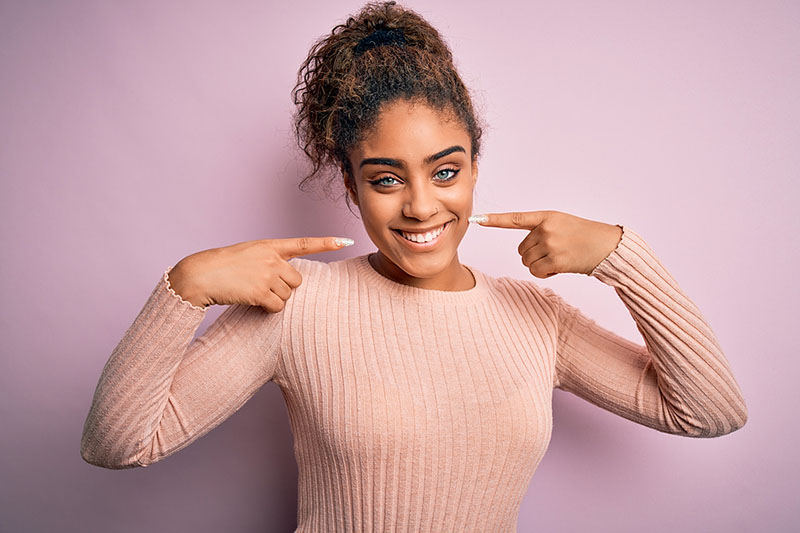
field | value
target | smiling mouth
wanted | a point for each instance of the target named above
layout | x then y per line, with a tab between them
423	238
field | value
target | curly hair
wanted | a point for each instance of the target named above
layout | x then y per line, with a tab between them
347	78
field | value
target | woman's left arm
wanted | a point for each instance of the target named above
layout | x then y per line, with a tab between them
680	382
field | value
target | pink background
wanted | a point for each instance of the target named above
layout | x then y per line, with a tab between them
135	133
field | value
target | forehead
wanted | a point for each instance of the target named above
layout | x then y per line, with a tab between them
411	132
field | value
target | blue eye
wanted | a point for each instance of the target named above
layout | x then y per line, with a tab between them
379	181
453	170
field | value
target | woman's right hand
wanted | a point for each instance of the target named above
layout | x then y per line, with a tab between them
250	273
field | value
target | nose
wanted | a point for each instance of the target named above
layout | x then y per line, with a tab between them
421	202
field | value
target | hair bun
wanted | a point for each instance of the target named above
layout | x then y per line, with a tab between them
381	37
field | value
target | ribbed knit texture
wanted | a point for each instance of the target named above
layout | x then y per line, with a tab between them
412	409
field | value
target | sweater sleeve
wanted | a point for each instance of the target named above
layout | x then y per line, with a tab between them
680	382
161	389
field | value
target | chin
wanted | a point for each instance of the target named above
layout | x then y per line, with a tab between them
422	265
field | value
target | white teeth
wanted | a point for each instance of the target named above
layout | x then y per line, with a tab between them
423	237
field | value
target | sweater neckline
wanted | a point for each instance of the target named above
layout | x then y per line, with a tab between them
393	288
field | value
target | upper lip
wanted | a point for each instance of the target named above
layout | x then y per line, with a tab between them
423	230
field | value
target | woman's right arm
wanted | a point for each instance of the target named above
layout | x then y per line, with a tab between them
160	391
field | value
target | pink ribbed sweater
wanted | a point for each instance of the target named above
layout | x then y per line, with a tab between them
412	409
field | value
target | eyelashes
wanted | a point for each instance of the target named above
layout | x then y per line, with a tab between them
454	172
379	182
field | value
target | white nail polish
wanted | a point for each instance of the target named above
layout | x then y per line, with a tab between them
478	218
343	241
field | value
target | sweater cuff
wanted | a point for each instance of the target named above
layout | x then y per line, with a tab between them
164	285
632	264
622	250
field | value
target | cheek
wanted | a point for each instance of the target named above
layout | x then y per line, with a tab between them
459	197
376	212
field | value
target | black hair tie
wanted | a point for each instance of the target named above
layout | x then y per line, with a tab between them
380	37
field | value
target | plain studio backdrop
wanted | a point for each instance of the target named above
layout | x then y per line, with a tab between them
133	134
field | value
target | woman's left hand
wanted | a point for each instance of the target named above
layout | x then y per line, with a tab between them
558	242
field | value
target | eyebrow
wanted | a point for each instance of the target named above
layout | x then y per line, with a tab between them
399	164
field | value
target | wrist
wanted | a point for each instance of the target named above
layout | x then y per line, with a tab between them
616	230
182	285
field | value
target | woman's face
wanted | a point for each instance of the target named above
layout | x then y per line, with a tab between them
413	173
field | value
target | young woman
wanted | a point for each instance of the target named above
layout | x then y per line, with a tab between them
418	388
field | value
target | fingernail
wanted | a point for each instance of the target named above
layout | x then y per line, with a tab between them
478	219
343	241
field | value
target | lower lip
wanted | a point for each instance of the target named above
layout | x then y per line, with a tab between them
422	246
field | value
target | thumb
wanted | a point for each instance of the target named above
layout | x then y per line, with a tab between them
514	219
296	246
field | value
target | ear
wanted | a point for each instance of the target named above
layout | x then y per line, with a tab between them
349	184
474	172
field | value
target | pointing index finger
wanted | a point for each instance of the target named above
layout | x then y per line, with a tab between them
513	219
297	246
